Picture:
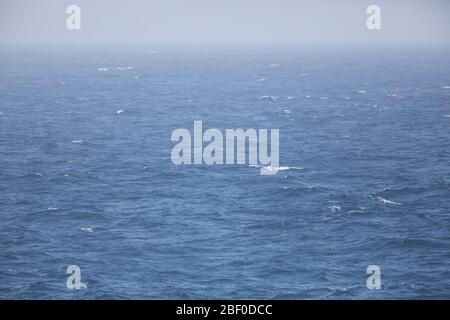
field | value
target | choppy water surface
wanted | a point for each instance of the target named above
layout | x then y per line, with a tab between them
86	176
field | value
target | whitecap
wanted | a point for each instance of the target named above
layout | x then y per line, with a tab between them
52	209
385	201
261	80
77	141
273	65
102	69
90	230
362	91
38	174
445	87
334	208
288	111
272	98
290	98
272	168
125	68
120	111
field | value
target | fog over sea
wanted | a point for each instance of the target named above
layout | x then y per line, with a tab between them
86	176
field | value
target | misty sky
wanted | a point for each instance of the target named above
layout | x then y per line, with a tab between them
225	21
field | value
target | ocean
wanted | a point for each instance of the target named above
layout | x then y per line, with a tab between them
86	176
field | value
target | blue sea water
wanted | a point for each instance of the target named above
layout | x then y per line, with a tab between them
364	131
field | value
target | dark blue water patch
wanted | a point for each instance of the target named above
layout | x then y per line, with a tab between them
86	176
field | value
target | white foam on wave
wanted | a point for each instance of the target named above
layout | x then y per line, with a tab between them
362	91
261	80
102	69
77	141
386	201
52	209
272	98
37	174
282	168
287	111
90	230
445	87
125	68
334	208
120	111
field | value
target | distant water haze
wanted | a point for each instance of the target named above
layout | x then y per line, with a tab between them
220	22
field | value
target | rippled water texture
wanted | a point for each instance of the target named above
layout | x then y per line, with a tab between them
86	176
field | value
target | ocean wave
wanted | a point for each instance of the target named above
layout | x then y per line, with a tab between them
274	168
125	68
386	201
269	98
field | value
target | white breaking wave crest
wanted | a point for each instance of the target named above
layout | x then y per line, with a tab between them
334	208
386	201
125	68
273	98
102	69
273	168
